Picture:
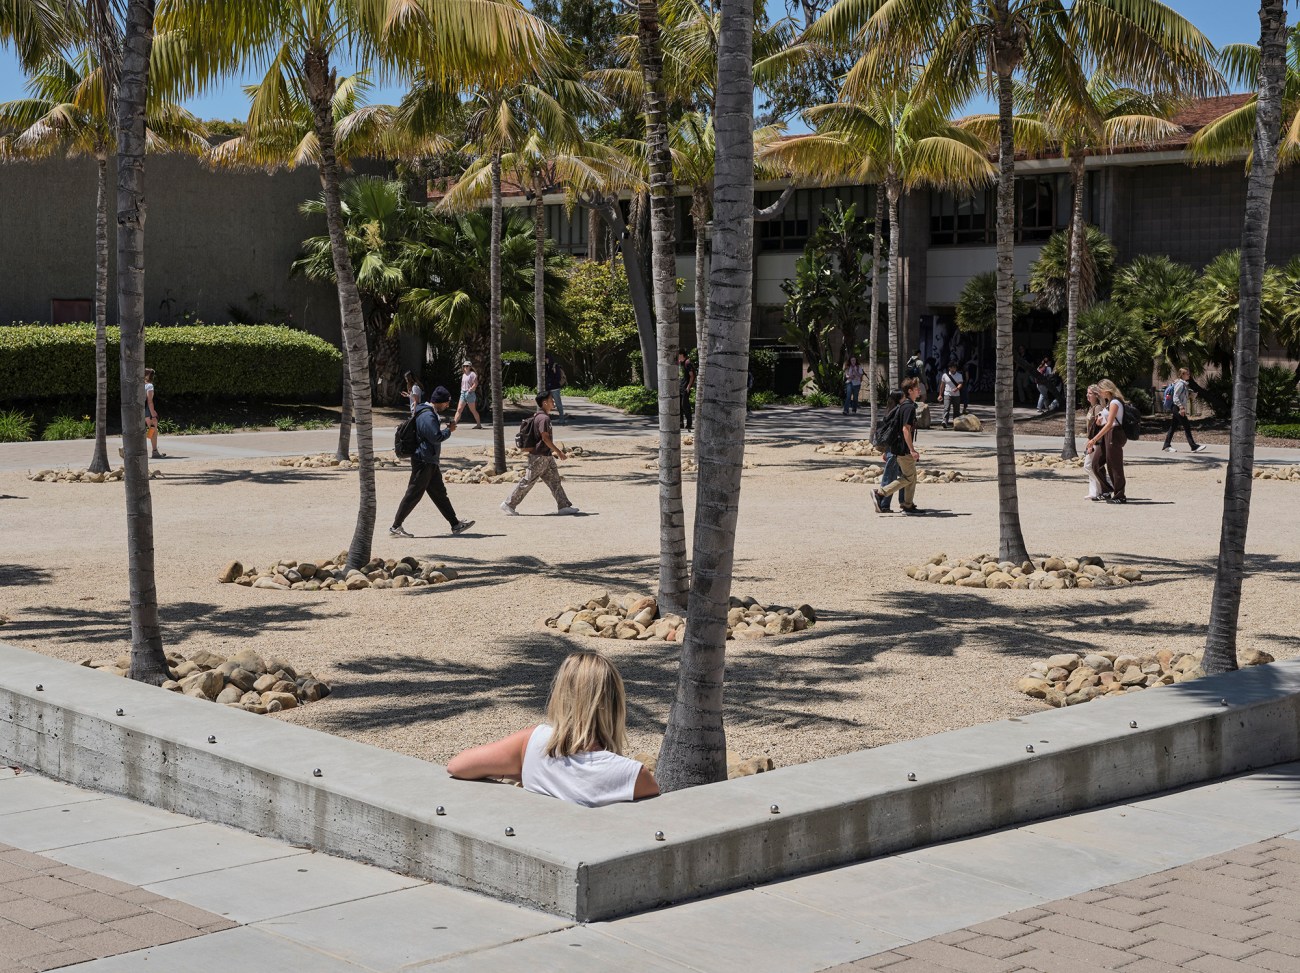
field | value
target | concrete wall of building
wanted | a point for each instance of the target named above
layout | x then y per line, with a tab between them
949	268
212	239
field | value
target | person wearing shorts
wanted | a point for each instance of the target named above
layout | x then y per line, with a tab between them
469	393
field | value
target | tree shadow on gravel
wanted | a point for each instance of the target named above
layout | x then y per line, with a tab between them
180	621
24	575
616	574
282	477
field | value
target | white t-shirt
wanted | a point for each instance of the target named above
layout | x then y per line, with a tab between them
468	380
1119	415
591	779
950	383
417	396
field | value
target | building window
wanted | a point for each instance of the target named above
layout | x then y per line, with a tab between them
789	232
568	229
1042	208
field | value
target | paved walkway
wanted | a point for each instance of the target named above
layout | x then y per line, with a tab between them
590	422
1203	879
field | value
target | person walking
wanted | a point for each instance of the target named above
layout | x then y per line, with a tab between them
542	454
950	385
904	449
969	378
151	415
1098	487
555	381
686	382
1179	415
1110	439
1043	379
468	393
426	474
890	472
411	391
852	384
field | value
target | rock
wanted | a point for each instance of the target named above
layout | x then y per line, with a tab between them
973	580
230	572
273	707
314	690
807	612
1054	697
207	684
747	768
171	685
286	700
264	682
284	686
580	627
250	661
966	423
206	659
1097	663
1066	660
231	694
1132	676
1093	560
1127	573
1053	564
1254	657
1031	686
750	633
356	582
565	620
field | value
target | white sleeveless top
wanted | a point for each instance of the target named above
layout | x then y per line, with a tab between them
590	779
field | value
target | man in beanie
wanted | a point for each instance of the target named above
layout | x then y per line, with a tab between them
426	477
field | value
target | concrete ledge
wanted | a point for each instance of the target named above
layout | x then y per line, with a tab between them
587	864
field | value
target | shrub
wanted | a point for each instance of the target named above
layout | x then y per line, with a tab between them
518	368
40	361
597	335
1112	344
15	427
1277	393
635	400
1140	399
1285	430
759	399
819	400
66	427
520	393
762	362
285	423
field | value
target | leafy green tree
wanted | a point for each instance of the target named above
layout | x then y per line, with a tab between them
1112	344
600	332
68	110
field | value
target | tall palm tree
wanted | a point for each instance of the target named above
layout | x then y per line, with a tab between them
977	45
1105	115
1225	603
36	29
901	138
69	111
1232	134
694	745
454	41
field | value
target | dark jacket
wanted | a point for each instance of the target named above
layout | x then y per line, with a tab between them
430	431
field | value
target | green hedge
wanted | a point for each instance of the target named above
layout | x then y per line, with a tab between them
517	368
39	361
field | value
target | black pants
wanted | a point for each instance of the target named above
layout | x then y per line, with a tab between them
685	397
425	478
1176	420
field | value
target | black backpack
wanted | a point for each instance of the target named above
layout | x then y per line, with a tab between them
407	438
1131	423
526	438
889	429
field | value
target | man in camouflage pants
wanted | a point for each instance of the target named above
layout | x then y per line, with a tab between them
541	462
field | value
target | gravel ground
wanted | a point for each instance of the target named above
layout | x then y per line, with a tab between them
428	672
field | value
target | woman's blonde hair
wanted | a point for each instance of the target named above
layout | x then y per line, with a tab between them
1093	407
588	707
1109	389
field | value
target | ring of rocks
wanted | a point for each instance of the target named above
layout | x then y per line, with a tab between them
1291	473
244	681
321	461
85	476
873	474
1051	573
636	617
332	574
1070	678
1046	461
856	447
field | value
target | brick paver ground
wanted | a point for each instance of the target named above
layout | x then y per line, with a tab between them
54	915
1237	912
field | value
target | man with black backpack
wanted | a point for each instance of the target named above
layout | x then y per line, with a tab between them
884	434
900	438
425	450
534	438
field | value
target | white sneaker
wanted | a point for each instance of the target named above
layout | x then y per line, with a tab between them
1168	449
1201	448
505	505
568	510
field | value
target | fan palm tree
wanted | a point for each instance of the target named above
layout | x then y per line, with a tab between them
1225	603
1231	136
451	41
1107	116
68	111
973	46
1158	293
694	745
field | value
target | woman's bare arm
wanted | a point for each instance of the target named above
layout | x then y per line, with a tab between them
646	785
501	758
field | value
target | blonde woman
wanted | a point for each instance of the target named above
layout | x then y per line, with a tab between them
1108	442
576	755
1098	486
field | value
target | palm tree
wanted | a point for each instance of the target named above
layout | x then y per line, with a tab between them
694	745
1231	136
907	139
1158	293
1107	116
299	41
975	45
1225	604
36	29
68	111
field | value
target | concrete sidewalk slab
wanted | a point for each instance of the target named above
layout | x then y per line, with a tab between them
30	792
402	929
292	883
245	948
52	827
577	949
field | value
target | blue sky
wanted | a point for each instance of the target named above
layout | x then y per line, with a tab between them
1225	21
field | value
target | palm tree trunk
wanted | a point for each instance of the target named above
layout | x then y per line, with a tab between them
1011	543
893	190
873	343
539	287
1225	605
494	323
673	576
148	663
700	219
99	461
343	450
321	85
1074	303
695	743
612	214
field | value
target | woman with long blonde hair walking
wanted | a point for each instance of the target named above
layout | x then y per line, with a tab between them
1098	486
1110	441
